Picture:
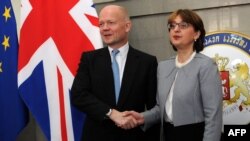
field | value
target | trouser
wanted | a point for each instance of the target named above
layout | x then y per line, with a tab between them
190	132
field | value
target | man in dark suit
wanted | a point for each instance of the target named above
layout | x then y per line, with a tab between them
95	86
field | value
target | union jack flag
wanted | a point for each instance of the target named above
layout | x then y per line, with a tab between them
53	35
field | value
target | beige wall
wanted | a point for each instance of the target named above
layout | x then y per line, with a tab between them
149	32
149	18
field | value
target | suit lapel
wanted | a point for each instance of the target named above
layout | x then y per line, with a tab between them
165	79
168	82
105	66
128	75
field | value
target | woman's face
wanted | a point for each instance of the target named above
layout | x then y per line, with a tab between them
182	34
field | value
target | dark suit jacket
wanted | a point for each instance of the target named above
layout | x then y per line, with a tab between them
93	93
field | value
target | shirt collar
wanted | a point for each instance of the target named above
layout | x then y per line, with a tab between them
123	50
179	65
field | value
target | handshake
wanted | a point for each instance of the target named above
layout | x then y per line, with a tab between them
127	119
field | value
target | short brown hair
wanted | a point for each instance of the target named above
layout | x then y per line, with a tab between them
194	19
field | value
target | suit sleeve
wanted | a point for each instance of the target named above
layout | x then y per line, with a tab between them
211	90
152	115
81	92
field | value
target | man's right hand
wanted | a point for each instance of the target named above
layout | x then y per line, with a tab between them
123	119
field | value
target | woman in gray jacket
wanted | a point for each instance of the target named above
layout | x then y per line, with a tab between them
189	93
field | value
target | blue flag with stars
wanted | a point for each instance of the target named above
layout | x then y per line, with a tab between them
13	113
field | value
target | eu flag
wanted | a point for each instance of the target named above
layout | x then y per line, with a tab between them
13	114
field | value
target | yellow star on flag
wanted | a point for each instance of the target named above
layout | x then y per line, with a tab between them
6	13
1	67
5	42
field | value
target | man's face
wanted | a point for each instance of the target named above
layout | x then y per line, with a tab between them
114	27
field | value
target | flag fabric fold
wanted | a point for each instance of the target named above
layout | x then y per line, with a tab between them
53	35
14	114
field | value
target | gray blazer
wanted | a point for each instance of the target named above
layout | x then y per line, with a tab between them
197	95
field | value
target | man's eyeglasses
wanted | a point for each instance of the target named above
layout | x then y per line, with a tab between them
181	25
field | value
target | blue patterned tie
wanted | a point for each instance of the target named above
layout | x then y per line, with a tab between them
116	74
